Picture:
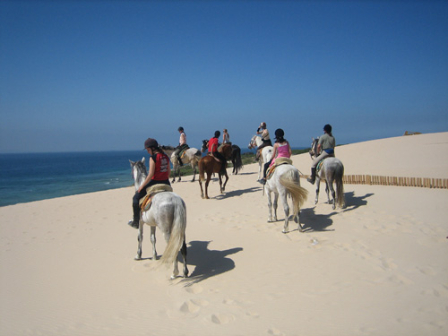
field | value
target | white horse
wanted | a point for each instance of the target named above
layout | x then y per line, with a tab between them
265	155
331	170
191	156
168	213
285	181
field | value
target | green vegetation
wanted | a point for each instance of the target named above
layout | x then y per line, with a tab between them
246	158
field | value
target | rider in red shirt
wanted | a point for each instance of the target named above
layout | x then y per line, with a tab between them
159	173
213	145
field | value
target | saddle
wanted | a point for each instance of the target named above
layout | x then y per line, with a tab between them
278	162
319	164
183	150
145	202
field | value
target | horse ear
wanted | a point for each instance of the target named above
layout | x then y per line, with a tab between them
143	159
132	163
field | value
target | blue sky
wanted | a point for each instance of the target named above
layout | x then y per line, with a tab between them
106	75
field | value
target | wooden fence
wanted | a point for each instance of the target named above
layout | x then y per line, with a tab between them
421	182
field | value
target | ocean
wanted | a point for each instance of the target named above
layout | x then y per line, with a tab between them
38	176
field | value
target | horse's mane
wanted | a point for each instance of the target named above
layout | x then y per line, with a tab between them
167	148
140	166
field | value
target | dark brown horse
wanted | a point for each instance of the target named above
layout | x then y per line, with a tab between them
235	156
209	165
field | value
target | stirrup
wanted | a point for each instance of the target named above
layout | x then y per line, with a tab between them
133	223
311	180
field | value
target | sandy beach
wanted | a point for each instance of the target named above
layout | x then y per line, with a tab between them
377	267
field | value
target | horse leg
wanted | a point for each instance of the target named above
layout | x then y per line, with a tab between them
183	252
220	183
194	169
140	241
272	207
178	173
202	190
269	206
225	182
209	176
174	172
260	163
333	194
286	209
317	189
153	242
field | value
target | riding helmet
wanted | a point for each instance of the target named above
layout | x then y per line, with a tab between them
151	143
279	133
327	128
180	129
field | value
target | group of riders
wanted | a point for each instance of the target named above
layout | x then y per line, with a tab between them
159	162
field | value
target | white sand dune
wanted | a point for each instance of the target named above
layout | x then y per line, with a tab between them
377	267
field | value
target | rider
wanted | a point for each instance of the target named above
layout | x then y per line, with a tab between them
263	131
213	145
326	143
281	149
225	137
159	173
182	144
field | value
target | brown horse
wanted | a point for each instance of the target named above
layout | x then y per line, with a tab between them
208	164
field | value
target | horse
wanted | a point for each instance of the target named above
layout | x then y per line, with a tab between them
332	170
209	165
285	180
265	155
168	213
235	156
191	156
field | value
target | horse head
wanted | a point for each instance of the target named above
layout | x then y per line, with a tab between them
253	142
313	149
139	172
204	146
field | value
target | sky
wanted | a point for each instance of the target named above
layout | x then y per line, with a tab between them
106	75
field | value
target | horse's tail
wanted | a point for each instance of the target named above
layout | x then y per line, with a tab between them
338	175
291	181
236	159
201	170
177	237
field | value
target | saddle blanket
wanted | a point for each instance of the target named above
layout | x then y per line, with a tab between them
145	202
278	162
182	152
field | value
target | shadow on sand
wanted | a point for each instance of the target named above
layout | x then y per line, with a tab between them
234	193
320	222
208	262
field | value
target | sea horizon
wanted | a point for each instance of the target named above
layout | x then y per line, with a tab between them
29	177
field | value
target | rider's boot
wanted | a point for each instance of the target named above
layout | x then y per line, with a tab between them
312	179
180	161
135	223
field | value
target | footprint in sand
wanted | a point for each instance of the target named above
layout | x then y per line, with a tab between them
275	332
222	318
194	289
189	307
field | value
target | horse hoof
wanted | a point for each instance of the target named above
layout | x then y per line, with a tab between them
137	258
283	231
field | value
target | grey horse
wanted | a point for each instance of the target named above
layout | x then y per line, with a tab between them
332	170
